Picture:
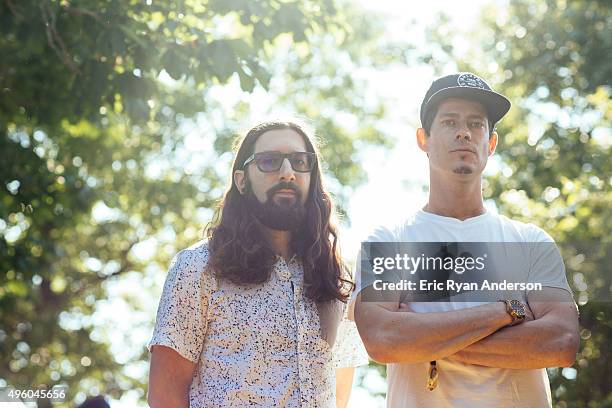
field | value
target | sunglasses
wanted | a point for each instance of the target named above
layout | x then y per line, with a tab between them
268	162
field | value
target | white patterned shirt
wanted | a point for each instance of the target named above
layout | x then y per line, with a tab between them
255	345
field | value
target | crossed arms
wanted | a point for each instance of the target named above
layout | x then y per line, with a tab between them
479	335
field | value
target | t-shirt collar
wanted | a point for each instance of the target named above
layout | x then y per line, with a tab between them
431	217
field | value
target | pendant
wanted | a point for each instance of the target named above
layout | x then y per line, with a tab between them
432	376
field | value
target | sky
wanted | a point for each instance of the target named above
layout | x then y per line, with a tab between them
395	186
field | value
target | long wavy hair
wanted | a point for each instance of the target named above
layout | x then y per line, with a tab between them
240	253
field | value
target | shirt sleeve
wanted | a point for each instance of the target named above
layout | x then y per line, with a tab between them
546	264
365	277
181	321
348	349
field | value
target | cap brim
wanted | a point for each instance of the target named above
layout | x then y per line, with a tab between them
497	105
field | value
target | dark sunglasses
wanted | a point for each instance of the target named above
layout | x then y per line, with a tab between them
268	162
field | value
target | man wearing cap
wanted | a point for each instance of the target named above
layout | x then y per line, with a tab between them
468	354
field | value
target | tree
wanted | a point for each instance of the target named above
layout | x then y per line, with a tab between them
563	167
96	97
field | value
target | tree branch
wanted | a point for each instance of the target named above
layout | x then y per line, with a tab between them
77	11
54	39
13	9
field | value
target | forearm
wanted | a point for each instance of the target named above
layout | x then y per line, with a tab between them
169	401
167	393
344	384
409	337
170	378
533	344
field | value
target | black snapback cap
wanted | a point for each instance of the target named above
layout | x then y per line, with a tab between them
465	85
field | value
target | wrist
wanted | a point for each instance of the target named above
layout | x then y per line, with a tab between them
515	310
506	318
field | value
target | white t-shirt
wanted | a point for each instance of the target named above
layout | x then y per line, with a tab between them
459	384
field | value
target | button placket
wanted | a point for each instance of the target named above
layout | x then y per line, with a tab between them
282	269
304	332
299	305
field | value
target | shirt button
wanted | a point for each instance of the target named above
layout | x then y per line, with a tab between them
284	274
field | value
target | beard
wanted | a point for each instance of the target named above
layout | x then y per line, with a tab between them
285	215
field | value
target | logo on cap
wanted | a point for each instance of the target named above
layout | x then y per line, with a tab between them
471	81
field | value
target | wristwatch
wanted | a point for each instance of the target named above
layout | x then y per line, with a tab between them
516	310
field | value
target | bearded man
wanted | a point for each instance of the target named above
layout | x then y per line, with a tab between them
255	314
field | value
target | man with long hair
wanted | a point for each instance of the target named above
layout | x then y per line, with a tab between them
255	314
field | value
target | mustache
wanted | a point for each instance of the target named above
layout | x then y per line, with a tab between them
283	185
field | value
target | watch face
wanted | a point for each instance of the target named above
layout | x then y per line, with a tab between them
518	308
